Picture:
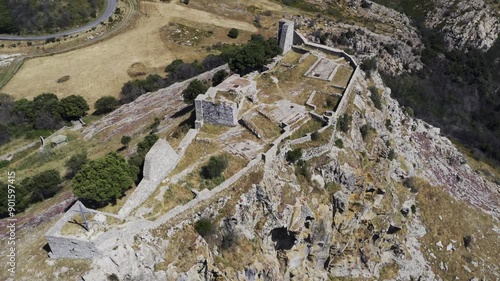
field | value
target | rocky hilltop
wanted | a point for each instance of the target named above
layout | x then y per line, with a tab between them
386	198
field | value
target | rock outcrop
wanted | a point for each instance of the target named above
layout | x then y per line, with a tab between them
466	24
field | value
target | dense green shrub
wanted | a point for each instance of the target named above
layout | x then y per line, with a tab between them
233	33
252	56
215	167
125	140
369	64
103	180
22	198
75	163
43	185
315	136
375	97
365	131
344	122
195	88
204	227
145	145
339	143
73	107
173	66
294	155
302	170
106	104
219	76
388	124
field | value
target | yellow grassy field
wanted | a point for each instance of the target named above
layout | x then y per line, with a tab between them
101	69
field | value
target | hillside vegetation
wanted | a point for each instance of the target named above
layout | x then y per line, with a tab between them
36	16
457	90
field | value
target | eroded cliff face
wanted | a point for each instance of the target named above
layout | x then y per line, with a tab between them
466	24
360	209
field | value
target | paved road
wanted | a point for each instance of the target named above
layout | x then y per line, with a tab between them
109	11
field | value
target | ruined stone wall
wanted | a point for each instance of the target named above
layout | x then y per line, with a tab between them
221	113
158	163
286	35
70	248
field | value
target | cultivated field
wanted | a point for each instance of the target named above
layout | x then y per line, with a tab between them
101	69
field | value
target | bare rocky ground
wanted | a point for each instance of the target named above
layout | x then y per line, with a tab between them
466	23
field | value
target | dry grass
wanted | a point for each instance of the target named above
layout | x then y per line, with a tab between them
76	225
323	139
325	102
458	220
181	251
212	130
101	69
292	84
267	128
310	126
194	153
175	195
291	57
342	76
33	161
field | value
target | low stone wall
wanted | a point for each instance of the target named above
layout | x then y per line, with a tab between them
71	248
68	246
299	39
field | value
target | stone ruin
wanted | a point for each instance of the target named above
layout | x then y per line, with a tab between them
158	163
74	246
286	34
221	104
160	160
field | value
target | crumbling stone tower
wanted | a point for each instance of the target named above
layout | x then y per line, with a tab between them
285	35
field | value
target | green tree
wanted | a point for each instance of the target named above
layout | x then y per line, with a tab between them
125	140
216	165
106	104
21	199
233	33
195	88
219	76
75	163
252	56
46	102
173	66
73	107
145	145
103	180
43	185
